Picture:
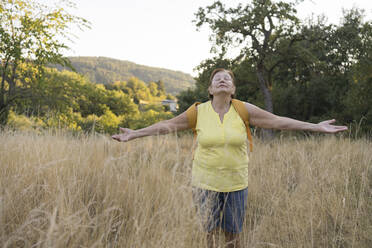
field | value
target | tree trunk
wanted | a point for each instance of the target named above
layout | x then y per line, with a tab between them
2	90
267	134
11	81
5	101
2	93
4	112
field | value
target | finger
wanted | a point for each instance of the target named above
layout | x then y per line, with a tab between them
331	121
339	128
123	130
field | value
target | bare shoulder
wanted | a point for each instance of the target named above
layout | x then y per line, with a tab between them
252	109
258	116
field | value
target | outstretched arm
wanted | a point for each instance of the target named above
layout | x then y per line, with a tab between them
264	119
177	123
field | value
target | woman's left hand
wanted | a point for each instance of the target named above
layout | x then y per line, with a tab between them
326	127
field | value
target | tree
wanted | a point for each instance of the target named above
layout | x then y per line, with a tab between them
256	29
140	89
304	86
326	85
120	103
30	33
153	87
358	38
161	87
170	97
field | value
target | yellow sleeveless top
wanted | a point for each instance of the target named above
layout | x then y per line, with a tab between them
221	159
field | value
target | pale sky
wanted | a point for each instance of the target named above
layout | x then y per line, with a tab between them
160	33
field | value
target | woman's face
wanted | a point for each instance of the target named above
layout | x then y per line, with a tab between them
222	83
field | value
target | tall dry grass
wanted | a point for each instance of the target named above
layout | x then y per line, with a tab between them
59	190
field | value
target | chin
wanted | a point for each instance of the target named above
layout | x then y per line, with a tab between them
223	91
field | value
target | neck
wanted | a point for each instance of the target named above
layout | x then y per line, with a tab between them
221	102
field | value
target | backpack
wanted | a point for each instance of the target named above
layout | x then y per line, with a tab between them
239	106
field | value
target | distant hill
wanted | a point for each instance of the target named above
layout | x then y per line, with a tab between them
107	70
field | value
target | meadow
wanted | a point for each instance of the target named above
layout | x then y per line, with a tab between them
64	190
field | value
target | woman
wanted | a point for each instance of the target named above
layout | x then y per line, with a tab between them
220	165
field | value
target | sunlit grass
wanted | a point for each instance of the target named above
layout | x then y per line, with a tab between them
59	190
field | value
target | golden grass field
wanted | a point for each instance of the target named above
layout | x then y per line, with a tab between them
60	190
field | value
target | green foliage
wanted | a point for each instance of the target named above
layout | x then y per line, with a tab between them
154	107
70	101
186	99
153	87
358	99
325	88
22	122
108	123
29	33
53	92
120	103
256	29
149	117
316	72
170	97
161	87
141	92
107	70
89	123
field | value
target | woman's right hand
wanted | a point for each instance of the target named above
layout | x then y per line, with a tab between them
125	135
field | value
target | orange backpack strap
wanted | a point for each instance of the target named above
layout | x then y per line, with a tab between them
243	113
192	116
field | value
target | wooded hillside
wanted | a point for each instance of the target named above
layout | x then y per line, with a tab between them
107	70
